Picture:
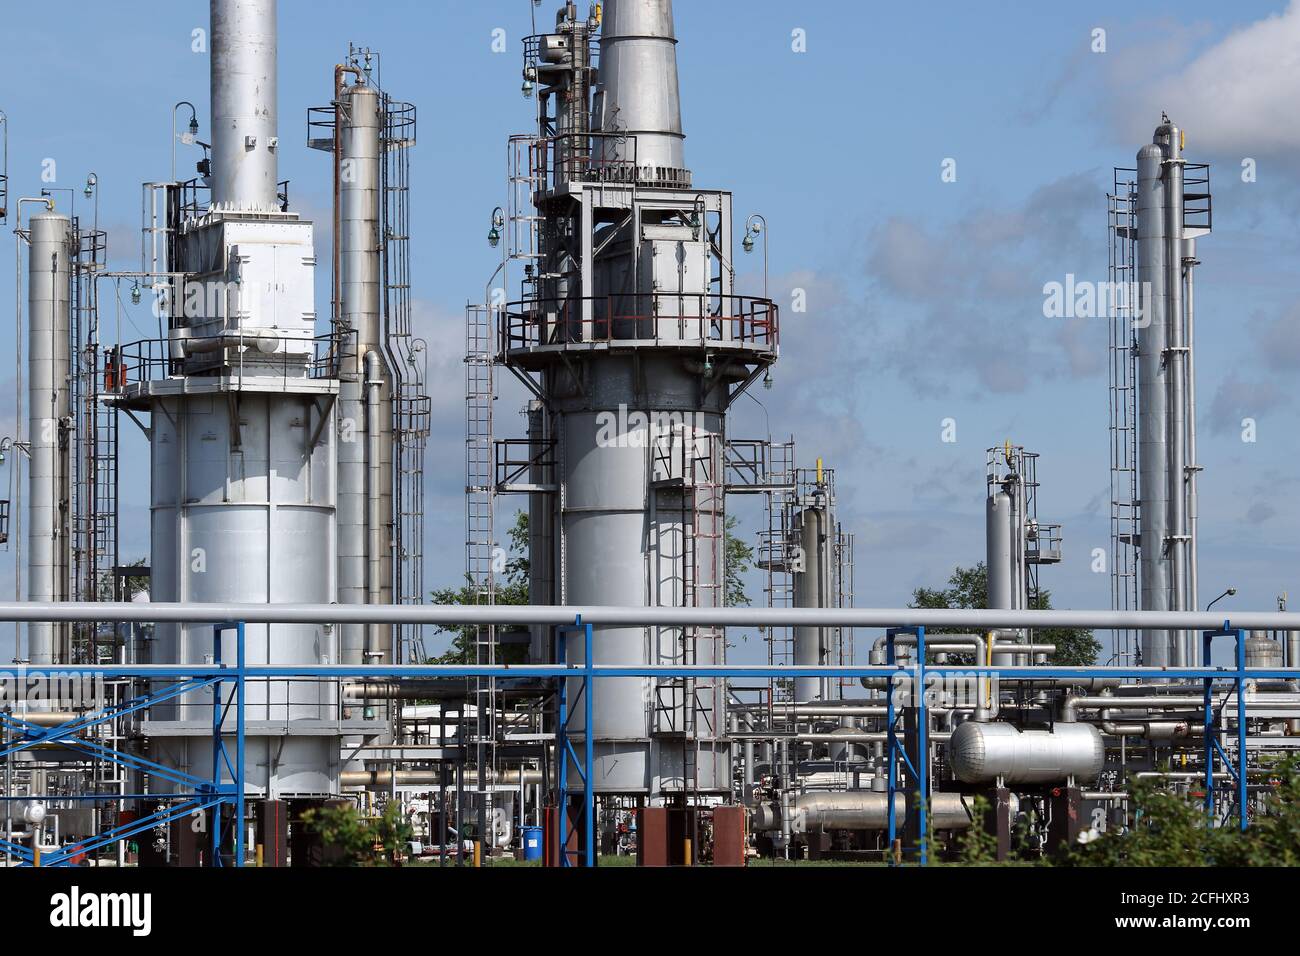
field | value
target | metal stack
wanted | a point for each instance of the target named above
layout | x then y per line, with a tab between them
1154	398
242	402
632	339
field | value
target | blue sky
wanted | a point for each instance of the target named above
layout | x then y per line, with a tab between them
924	296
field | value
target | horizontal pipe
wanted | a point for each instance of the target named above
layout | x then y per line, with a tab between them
380	779
610	615
254	672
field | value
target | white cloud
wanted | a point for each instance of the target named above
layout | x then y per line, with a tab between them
1235	97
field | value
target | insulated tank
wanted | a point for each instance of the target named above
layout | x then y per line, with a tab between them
982	752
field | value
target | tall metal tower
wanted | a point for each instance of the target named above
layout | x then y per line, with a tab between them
632	338
242	398
1156	214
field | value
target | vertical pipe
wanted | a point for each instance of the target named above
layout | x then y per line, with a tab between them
243	74
1153	400
810	591
48	378
375	487
922	749
1193	462
1242	794
999	587
365	500
1176	363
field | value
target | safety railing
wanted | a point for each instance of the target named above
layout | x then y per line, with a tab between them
654	319
150	360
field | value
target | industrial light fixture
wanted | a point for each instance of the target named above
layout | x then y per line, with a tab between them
494	233
748	243
194	126
767	380
91	182
135	294
1228	593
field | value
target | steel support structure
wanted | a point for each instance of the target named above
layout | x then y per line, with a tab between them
199	795
1212	742
213	794
565	752
919	769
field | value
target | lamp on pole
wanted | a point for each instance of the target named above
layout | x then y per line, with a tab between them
756	225
187	137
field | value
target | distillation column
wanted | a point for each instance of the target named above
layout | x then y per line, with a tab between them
243	438
813	589
365	413
1005	551
48	375
1162	378
630	256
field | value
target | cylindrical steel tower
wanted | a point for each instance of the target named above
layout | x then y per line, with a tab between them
243	71
812	588
365	447
1162	391
637	92
49	409
243	439
639	346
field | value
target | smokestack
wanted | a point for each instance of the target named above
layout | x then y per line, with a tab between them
244	143
637	93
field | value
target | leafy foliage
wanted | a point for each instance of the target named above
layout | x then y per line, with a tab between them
738	557
511	589
360	841
1171	830
976	846
968	587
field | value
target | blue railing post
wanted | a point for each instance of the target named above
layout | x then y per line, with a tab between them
239	744
1208	734
216	746
1241	728
588	776
562	750
922	747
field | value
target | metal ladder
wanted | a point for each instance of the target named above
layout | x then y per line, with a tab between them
1125	516
407	358
480	543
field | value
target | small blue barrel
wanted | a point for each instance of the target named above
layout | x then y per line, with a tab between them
532	843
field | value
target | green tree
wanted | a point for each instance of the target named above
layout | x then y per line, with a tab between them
511	589
355	840
968	588
976	846
738	558
1170	829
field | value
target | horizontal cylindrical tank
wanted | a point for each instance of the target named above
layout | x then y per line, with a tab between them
859	810
982	752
